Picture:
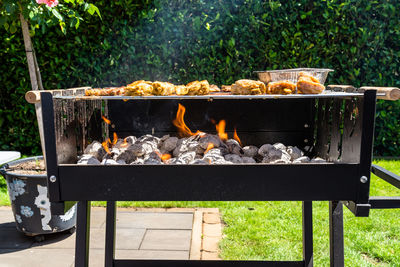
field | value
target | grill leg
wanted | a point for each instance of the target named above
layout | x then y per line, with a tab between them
82	234
336	233
110	234
307	234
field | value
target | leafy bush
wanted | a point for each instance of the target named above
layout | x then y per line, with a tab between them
44	13
221	41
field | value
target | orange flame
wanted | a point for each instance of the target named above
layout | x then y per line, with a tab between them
125	143
221	130
236	137
105	145
180	123
115	138
165	157
106	120
209	146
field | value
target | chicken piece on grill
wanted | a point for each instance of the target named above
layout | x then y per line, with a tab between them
92	92
111	91
307	84
281	88
181	90
163	88
226	88
214	88
139	82
139	89
198	88
248	87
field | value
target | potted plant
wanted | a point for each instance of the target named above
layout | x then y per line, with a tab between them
27	189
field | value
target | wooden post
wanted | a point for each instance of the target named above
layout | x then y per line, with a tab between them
34	74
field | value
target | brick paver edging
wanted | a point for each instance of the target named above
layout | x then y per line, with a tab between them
206	232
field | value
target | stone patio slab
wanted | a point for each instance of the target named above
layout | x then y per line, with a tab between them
146	234
37	258
161	220
6	216
167	240
152	254
12	239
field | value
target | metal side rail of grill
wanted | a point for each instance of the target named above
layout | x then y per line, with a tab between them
385	202
378	202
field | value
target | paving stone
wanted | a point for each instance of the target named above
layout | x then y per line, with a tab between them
147	209
212	230
206	255
125	239
97	218
167	240
96	257
209	210
37	258
211	218
163	220
197	231
66	241
58	241
168	236
152	254
6	217
129	238
8	225
210	243
12	239
184	210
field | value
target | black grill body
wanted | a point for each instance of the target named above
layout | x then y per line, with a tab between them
338	128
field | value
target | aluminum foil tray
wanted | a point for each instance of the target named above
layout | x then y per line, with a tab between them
292	74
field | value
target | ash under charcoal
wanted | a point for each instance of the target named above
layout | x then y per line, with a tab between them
88	159
201	149
187	145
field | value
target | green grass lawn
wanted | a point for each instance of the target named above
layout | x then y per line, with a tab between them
272	230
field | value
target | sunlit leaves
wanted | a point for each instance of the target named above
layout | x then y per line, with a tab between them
67	12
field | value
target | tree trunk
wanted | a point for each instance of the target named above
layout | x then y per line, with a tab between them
34	73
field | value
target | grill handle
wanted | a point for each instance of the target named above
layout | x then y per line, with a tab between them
385	93
33	97
390	93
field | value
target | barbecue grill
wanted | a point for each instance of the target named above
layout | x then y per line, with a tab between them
336	126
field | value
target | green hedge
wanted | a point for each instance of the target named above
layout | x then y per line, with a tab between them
220	41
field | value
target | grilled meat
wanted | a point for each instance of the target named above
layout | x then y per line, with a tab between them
198	88
110	91
307	84
281	88
214	88
139	88
181	90
163	88
248	87
226	88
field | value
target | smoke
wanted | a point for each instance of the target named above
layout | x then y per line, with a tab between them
180	41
